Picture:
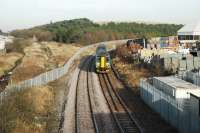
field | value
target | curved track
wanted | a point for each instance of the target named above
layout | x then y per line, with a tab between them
97	106
85	120
121	114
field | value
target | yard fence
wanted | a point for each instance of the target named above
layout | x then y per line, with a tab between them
176	62
193	77
52	75
180	113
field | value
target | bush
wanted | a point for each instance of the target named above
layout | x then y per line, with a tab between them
85	31
18	45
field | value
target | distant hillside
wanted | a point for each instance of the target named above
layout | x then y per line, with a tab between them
86	32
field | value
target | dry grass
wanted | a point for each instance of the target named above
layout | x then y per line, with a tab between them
42	57
8	61
35	110
131	73
26	72
27	111
61	52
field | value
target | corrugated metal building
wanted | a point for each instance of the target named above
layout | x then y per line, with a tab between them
174	87
177	101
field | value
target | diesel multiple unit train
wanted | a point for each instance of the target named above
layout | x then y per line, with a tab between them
102	59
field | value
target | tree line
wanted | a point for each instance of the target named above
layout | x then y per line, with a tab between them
84	31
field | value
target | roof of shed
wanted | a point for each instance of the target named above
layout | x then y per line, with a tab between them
177	83
190	29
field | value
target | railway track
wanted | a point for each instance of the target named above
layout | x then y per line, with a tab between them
120	112
85	118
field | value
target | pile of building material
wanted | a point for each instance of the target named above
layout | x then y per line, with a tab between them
146	53
170	42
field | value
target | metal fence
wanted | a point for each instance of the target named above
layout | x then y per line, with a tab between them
180	113
179	63
54	74
174	62
193	77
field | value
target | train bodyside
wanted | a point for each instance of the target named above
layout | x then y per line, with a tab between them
103	61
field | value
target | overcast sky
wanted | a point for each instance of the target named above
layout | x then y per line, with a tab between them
17	14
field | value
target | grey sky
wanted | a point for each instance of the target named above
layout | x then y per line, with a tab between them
16	14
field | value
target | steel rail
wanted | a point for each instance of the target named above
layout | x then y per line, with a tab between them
78	107
90	84
121	120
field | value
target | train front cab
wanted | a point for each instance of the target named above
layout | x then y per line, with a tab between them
102	64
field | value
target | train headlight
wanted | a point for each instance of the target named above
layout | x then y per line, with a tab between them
97	64
108	64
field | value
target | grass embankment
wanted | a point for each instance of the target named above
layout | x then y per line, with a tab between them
8	62
132	70
42	57
35	110
131	74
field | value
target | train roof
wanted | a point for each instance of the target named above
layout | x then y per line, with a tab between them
101	46
101	50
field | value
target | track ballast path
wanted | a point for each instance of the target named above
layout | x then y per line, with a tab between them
121	114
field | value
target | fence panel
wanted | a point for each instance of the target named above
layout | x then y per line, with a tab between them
181	113
191	77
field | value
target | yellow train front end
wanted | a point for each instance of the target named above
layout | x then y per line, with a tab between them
102	64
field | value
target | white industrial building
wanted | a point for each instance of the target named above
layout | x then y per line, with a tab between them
2	44
189	34
3	41
177	101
